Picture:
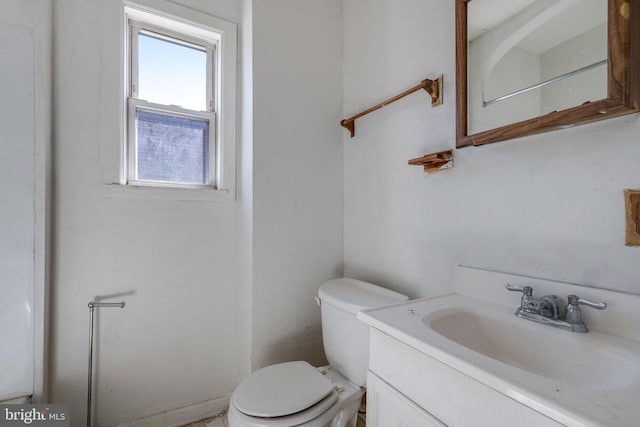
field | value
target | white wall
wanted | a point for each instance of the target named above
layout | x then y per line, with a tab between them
297	173
549	205
245	188
213	290
174	262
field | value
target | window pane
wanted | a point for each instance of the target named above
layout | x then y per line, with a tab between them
171	73
172	149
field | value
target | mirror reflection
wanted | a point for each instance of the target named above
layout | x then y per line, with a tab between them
528	58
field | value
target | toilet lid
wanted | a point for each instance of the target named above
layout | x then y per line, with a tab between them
281	390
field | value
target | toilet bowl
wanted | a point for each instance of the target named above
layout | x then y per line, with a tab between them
297	394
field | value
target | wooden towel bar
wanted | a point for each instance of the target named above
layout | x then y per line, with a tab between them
433	87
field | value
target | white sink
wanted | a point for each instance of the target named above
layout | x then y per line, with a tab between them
576	379
594	360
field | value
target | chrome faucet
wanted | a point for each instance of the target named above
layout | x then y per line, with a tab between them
546	309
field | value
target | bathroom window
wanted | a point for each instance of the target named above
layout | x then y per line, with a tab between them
177	123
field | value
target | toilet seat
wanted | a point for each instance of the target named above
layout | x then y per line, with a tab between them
284	390
296	419
343	402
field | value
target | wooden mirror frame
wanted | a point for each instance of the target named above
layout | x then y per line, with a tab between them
623	80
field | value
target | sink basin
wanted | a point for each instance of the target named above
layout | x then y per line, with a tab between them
594	360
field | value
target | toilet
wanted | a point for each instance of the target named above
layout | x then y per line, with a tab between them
297	394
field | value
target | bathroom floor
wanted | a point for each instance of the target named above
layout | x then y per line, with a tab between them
221	421
218	421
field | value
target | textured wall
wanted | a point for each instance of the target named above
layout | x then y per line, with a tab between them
549	205
173	261
297	173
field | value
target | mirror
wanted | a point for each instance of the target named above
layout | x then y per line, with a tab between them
530	66
531	57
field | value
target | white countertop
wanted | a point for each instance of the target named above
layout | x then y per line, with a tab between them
604	396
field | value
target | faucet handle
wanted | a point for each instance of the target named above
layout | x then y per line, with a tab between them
573	314
527	290
576	300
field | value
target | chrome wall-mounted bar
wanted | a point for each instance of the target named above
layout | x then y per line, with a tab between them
92	306
545	83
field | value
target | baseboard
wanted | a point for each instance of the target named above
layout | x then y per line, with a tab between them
182	416
16	400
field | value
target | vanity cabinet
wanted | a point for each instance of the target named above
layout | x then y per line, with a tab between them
405	387
387	407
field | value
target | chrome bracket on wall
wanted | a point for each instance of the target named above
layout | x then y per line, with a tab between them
93	305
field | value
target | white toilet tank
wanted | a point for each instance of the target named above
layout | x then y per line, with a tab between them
346	339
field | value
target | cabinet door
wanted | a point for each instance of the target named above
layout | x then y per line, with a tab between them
387	407
25	43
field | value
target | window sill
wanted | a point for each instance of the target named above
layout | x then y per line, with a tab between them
119	191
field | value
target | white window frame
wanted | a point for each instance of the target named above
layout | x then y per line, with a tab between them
175	21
